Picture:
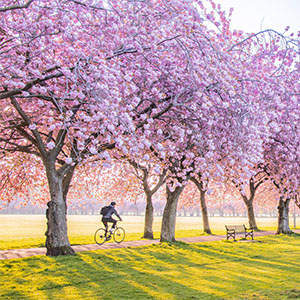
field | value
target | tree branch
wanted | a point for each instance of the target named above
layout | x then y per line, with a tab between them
38	141
28	85
14	7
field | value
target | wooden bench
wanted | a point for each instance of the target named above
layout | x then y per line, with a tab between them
233	230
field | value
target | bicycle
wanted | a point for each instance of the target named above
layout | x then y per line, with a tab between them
101	235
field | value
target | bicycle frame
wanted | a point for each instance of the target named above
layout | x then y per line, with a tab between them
103	235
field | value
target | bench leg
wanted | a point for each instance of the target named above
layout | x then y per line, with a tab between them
229	235
250	234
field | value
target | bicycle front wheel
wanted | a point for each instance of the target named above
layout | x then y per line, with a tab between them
100	236
119	235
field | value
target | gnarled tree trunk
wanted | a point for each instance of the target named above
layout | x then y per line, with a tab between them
57	241
283	216
169	215
250	211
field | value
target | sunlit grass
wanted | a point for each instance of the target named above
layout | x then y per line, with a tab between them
265	269
26	231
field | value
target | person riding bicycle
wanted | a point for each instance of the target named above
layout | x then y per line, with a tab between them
108	217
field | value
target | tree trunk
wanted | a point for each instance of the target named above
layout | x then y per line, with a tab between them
148	231
250	212
253	186
205	220
57	241
169	215
202	190
283	216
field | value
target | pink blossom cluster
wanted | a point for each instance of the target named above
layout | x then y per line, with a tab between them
162	82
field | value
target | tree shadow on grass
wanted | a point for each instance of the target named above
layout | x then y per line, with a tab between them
135	278
91	275
175	271
225	270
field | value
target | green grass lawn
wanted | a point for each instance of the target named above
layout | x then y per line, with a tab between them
265	269
27	231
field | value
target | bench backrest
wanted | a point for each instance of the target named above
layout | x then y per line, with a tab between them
236	228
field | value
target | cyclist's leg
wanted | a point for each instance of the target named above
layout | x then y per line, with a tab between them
105	225
114	223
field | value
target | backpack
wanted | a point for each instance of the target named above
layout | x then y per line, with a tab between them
104	210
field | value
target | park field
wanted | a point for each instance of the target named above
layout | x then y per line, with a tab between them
27	231
266	269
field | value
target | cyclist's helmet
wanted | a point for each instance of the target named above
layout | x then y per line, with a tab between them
113	203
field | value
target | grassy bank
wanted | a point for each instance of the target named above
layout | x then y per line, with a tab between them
265	269
26	231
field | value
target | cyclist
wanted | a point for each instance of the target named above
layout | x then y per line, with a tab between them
108	217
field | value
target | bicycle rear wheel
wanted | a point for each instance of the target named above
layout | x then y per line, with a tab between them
99	236
119	235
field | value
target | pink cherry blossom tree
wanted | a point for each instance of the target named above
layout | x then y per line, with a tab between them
151	179
275	85
119	78
67	88
248	192
81	80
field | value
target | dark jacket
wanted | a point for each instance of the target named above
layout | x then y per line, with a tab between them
110	212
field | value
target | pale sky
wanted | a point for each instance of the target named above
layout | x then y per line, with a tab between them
254	15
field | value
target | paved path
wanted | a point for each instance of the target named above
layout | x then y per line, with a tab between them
21	253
